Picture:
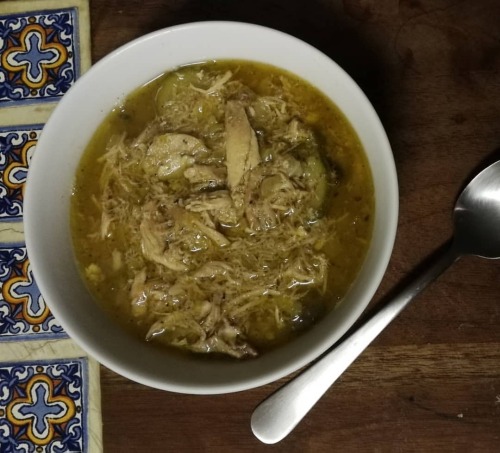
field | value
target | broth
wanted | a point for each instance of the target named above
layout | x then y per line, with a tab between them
224	208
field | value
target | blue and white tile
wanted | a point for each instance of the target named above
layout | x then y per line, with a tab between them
49	399
39	52
49	387
44	48
24	315
40	55
44	404
17	145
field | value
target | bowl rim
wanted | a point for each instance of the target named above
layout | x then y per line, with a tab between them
37	260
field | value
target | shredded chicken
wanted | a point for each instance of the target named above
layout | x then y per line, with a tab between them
154	247
218	84
211	201
222	245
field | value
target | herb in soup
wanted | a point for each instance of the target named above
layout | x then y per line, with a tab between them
223	208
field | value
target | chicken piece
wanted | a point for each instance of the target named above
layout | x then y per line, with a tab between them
272	185
191	221
218	238
170	154
268	197
219	204
181	330
242	149
228	216
187	221
138	294
210	322
297	132
290	166
280	193
154	247
304	271
209	201
212	269
261	216
217	86
178	328
94	273
105	224
206	176
228	340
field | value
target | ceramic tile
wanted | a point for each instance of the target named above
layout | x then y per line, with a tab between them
44	48
40	55
43	405
17	145
24	315
49	399
49	387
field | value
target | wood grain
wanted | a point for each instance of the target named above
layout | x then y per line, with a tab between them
431	381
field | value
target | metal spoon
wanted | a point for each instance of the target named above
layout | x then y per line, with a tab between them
477	232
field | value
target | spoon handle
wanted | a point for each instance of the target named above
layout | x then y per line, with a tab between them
276	416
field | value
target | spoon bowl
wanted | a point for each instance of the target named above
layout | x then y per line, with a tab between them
477	215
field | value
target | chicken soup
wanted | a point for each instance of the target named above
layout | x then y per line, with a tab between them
223	209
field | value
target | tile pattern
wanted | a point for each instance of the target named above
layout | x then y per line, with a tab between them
43	406
24	314
49	388
39	55
17	144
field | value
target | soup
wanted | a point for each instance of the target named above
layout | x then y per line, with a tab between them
223	209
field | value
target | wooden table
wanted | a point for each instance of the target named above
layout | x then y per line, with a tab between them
431	381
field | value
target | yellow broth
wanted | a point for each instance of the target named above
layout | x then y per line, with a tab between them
350	199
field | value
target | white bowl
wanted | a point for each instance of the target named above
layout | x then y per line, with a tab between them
51	177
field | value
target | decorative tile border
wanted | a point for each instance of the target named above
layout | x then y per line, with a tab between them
24	314
39	55
44	406
49	387
17	144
